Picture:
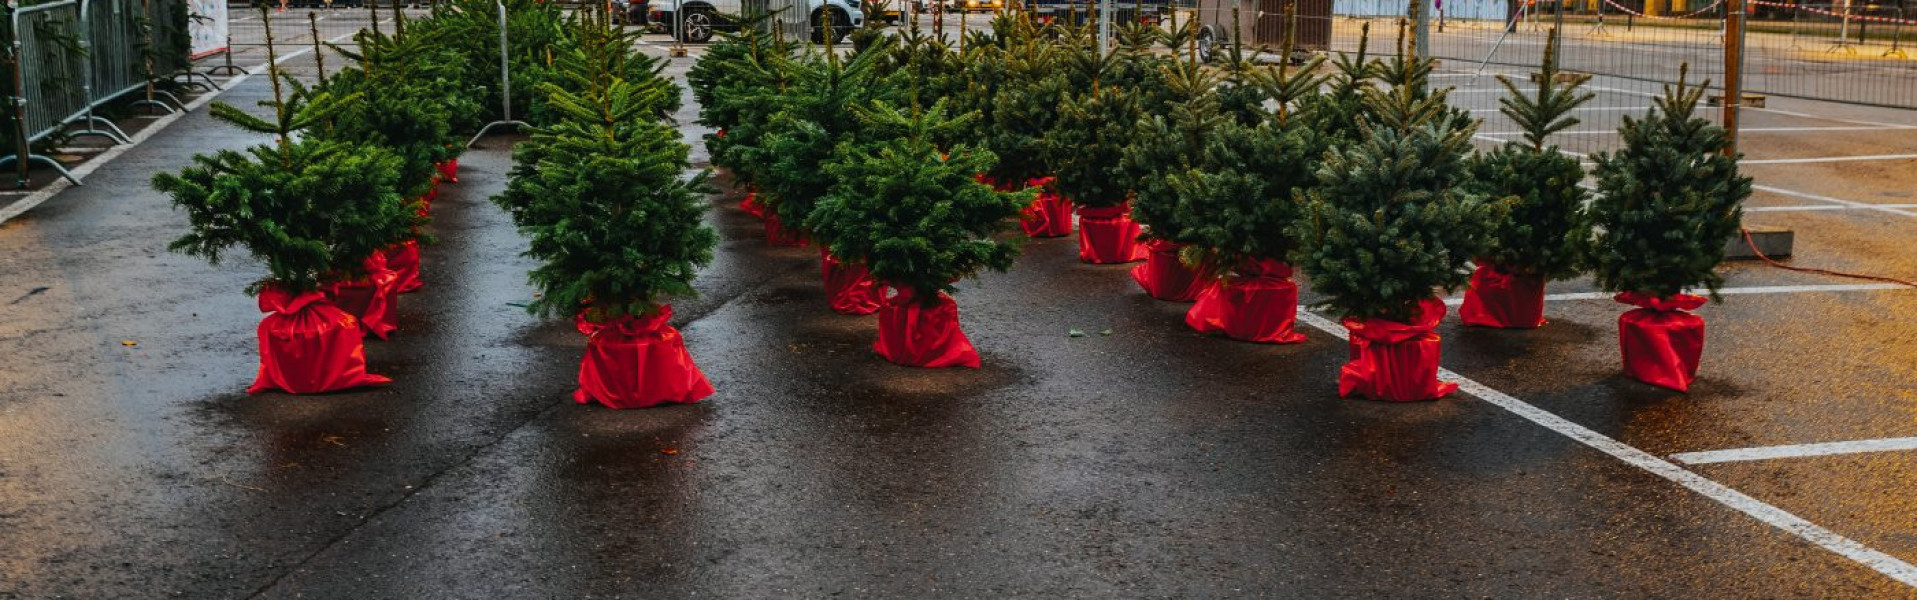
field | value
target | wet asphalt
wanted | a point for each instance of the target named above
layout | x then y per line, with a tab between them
1151	462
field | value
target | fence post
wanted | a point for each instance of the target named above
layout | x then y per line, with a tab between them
505	83
1733	69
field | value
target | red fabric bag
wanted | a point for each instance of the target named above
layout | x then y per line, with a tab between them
1258	304
778	235
916	335
1395	362
636	362
403	259
308	346
1165	277
372	299
1107	235
1661	341
1049	215
449	170
751	204
849	286
1502	298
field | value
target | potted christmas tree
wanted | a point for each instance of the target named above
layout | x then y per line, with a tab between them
916	215
1168	150
616	225
1544	235
1666	205
1239	214
1014	84
313	211
817	117
734	82
1388	224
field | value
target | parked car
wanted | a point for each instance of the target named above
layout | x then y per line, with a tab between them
705	18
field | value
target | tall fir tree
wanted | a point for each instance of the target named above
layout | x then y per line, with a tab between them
1388	223
1668	201
1545	233
607	210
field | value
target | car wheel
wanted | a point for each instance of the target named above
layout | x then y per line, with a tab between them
1207	45
697	26
841	26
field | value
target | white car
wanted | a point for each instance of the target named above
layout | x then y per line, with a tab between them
704	18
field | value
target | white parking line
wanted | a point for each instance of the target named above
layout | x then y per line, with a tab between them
1740	130
1797	451
1823	207
1827	159
1737	291
1890	566
1837	201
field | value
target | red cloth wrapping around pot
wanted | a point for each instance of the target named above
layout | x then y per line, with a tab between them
403	259
373	299
636	362
1259	304
1049	215
751	204
449	170
1107	234
916	335
1164	277
1662	343
308	346
1502	298
1395	362
849	286
777	234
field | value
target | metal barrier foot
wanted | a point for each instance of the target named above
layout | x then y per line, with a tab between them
209	85
489	127
112	132
38	159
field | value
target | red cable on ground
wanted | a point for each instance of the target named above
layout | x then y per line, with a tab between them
1760	254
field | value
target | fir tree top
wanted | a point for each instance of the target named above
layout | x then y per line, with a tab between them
912	212
1668	201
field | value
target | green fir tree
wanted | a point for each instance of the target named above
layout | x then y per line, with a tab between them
1388	221
912	211
1668	202
607	209
1545	233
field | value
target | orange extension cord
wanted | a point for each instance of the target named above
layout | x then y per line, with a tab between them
1760	254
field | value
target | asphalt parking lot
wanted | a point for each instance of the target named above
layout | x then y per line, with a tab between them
1151	462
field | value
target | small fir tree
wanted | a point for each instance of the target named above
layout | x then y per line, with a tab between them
1545	232
1668	201
1388	222
912	211
1016	87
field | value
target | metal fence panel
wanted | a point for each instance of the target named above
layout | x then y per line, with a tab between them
53	65
113	28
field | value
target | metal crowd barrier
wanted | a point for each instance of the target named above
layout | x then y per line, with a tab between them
65	59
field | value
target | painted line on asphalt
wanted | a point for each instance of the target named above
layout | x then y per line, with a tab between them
1837	201
1737	291
40	196
1823	207
1740	131
1827	159
1796	451
1890	566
